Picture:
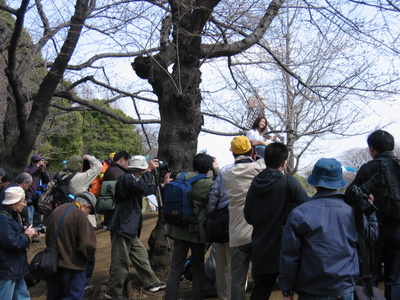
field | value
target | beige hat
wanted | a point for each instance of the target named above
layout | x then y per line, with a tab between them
138	162
75	163
13	195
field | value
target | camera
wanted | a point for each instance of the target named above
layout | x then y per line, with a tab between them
163	166
359	195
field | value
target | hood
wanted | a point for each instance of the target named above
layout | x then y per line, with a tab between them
265	180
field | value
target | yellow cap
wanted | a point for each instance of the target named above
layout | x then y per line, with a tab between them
240	145
111	155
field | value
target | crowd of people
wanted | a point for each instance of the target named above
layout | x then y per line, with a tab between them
306	244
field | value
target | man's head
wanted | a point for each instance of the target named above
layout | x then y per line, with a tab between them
24	180
240	145
75	163
87	202
122	158
202	163
327	173
275	155
380	141
15	198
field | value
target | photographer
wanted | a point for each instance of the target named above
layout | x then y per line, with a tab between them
387	247
125	227
40	175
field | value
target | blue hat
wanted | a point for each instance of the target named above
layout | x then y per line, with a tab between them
327	173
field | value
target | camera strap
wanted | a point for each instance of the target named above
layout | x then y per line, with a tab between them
362	249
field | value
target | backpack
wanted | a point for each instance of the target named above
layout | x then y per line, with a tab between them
106	199
177	200
390	176
56	193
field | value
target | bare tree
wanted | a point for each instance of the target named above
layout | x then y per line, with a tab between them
171	44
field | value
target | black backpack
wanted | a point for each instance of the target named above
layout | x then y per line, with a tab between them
390	176
56	193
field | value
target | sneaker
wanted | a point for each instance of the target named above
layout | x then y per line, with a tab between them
119	297
158	286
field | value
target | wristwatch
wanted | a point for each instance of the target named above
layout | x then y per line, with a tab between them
287	293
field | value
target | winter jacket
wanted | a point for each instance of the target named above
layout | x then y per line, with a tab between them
269	199
13	245
366	171
319	247
127	218
76	242
237	179
38	178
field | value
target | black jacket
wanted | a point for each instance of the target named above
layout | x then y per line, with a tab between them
127	218
366	171
269	199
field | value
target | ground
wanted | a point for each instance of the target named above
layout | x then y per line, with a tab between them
100	275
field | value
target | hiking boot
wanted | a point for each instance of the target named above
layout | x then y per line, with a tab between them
158	286
119	297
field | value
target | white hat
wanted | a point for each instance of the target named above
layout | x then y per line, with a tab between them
138	162
13	195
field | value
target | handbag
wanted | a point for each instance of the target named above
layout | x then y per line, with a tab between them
217	225
45	263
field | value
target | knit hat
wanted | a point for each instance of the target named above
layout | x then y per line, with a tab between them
240	145
89	197
138	162
327	173
75	163
13	195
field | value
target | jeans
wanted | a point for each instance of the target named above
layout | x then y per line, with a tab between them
67	284
179	256
345	297
240	262
14	290
387	250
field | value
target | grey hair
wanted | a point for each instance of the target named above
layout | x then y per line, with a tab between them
23	177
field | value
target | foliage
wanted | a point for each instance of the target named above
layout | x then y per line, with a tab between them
84	132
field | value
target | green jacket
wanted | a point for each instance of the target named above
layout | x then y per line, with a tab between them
200	191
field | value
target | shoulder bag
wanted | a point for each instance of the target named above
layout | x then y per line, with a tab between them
44	264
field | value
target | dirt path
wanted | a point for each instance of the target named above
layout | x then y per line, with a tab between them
100	275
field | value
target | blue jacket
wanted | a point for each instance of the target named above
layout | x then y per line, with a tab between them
319	255
13	246
127	218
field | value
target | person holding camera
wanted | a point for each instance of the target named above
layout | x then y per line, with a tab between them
319	258
40	175
387	247
125	227
14	242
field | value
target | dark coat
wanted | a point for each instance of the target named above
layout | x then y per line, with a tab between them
365	172
113	172
267	210
127	218
13	245
76	242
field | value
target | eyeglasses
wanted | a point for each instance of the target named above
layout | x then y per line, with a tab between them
23	200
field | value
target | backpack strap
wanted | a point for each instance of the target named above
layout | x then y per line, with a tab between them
61	221
195	178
